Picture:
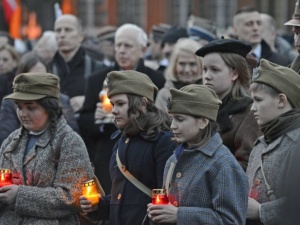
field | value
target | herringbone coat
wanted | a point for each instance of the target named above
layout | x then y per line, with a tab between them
276	158
208	186
49	188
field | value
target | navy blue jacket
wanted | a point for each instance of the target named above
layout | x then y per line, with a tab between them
145	159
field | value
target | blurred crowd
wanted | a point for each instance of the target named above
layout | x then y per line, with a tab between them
172	58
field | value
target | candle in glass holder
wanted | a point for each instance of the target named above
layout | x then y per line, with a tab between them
106	105
5	177
89	190
159	196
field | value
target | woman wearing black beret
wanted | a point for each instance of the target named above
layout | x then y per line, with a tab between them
225	71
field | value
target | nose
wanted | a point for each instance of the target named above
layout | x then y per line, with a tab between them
173	125
22	112
297	40
114	110
253	108
206	76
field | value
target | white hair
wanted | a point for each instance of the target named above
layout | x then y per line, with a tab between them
141	36
47	41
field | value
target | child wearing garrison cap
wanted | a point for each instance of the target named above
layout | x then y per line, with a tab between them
143	148
225	70
48	161
204	182
275	91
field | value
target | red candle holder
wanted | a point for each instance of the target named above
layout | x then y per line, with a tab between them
159	197
5	177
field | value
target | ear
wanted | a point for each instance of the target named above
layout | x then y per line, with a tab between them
81	36
144	105
143	51
202	123
282	101
234	76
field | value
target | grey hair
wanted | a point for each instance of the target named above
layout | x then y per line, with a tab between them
141	37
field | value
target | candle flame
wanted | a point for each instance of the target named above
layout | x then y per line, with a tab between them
2	177
157	199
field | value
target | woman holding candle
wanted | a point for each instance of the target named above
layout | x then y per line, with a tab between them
205	183
143	148
48	160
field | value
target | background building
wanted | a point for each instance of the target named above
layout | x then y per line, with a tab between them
145	13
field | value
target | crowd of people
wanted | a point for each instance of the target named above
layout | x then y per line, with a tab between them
212	121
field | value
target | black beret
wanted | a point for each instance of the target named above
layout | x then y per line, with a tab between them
225	45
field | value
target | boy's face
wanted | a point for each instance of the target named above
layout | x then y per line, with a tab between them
264	107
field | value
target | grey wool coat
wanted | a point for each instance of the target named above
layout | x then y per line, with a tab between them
49	186
276	160
208	185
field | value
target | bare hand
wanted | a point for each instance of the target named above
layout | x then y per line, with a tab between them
8	194
77	102
86	205
100	113
162	213
253	209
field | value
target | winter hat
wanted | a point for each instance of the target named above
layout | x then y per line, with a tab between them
194	100
225	45
282	79
34	86
130	82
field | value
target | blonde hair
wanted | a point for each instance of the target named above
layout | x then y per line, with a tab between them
183	45
239	64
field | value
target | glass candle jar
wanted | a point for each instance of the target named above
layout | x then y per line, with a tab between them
159	196
89	190
106	105
5	177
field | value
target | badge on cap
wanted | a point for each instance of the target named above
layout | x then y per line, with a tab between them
255	74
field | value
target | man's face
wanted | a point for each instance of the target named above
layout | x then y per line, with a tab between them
128	50
247	27
155	49
68	35
296	31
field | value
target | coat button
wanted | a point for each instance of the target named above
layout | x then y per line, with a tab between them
175	203
119	196
178	175
257	182
127	140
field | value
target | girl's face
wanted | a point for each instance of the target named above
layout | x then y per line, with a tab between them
187	70
185	128
217	75
32	115
39	67
265	107
7	63
120	110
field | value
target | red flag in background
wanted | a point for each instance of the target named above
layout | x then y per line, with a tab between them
67	7
13	16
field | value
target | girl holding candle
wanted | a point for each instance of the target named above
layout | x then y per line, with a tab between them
143	148
205	183
48	160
